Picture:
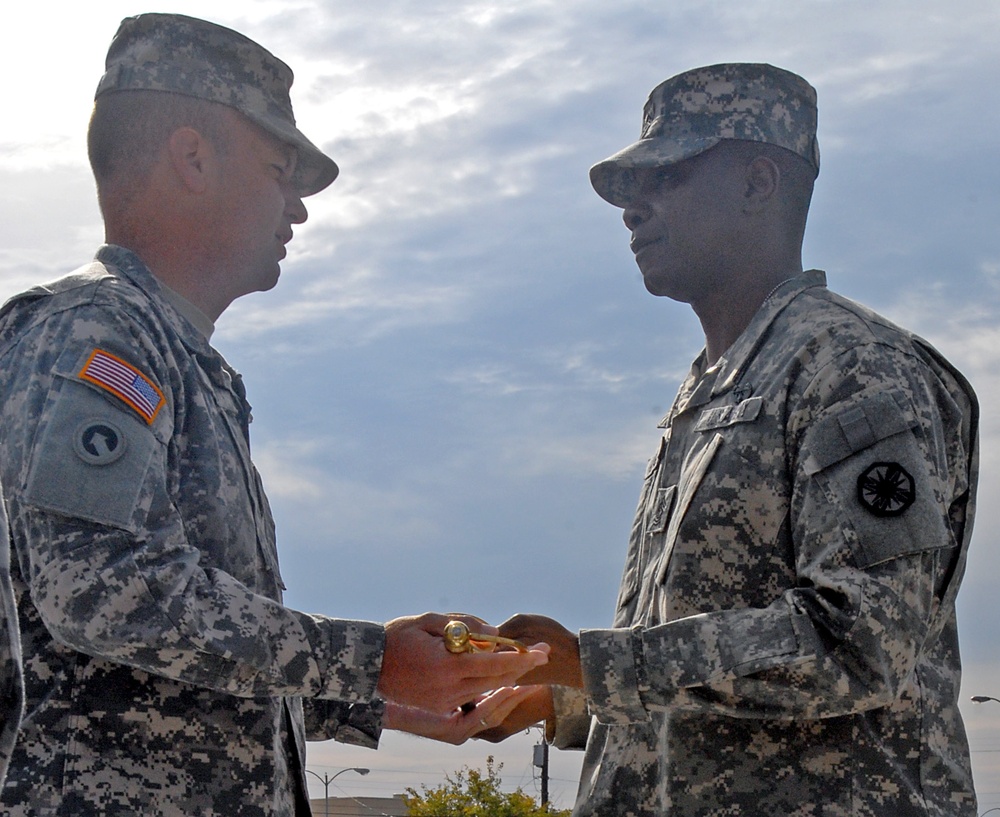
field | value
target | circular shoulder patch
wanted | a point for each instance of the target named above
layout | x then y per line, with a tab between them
886	489
99	442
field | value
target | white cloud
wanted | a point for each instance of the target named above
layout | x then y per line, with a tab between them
608	454
297	473
345	306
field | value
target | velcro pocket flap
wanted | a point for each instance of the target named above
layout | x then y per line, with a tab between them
90	460
745	411
861	426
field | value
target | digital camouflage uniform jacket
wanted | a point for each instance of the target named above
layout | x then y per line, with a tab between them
163	674
785	639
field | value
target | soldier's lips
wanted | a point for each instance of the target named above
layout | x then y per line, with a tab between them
641	245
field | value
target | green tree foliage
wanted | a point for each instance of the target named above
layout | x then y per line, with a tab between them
470	793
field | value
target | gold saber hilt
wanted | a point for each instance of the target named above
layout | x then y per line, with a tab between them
458	639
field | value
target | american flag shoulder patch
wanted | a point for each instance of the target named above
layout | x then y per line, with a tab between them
124	381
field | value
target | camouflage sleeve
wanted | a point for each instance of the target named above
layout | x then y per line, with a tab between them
116	569
358	724
11	679
880	472
150	605
569	727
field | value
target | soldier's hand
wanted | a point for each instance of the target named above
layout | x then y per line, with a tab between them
563	667
534	707
456	727
418	670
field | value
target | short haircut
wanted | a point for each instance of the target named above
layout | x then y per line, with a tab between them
797	175
128	129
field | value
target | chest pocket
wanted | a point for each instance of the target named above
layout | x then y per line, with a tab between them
692	474
706	439
235	414
636	557
669	499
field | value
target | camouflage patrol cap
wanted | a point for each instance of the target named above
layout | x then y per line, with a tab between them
184	55
693	111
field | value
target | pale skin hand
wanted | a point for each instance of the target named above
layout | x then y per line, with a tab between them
492	710
563	667
418	671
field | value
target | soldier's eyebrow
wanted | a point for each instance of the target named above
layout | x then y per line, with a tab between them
282	153
665	176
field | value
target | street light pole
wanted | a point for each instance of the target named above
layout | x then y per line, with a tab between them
326	780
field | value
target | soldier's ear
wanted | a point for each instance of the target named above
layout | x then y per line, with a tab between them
191	156
761	181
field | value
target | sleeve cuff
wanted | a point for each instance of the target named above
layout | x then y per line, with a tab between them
356	650
610	660
356	724
569	726
363	726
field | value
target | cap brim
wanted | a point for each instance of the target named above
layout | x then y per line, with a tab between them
314	170
614	179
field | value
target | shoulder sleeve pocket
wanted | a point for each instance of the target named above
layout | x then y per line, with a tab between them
878	480
855	429
90	459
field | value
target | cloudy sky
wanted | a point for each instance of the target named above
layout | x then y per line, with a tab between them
457	381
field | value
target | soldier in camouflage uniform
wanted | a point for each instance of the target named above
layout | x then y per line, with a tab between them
163	673
785	638
11	678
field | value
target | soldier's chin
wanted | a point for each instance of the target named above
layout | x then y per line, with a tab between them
657	286
664	287
272	281
269	282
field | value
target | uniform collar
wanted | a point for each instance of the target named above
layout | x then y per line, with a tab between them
187	319
199	320
705	384
734	363
132	268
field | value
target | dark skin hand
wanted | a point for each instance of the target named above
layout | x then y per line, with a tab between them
535	708
563	667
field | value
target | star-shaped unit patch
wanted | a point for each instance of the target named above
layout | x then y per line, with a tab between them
886	489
